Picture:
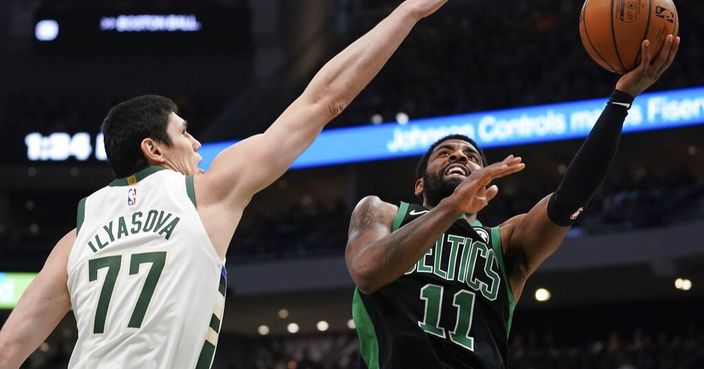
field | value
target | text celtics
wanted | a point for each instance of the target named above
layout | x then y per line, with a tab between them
467	261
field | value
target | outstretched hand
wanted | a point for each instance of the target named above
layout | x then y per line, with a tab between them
473	194
649	71
424	8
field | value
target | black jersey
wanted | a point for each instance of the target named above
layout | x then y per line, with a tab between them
453	308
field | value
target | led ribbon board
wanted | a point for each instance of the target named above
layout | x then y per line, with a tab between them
661	110
12	285
518	126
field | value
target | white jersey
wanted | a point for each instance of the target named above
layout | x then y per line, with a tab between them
147	286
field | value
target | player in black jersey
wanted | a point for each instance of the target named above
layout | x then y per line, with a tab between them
435	288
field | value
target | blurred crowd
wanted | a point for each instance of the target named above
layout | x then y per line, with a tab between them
626	202
634	350
309	229
484	55
629	349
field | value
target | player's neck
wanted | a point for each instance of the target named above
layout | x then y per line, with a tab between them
471	217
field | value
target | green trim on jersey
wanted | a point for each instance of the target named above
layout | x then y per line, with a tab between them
222	286
207	353
81	214
190	189
215	323
402	209
130	180
499	251
368	342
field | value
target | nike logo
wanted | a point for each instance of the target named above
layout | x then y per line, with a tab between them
414	212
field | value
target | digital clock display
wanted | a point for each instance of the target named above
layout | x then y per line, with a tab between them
61	146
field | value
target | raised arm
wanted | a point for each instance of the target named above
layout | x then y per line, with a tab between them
528	239
251	165
376	256
41	307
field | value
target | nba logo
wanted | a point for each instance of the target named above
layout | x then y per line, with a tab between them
132	196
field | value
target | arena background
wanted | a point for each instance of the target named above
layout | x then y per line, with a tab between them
234	65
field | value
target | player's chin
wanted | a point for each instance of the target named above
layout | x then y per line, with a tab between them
453	181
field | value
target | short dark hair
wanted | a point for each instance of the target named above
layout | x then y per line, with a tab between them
423	163
130	122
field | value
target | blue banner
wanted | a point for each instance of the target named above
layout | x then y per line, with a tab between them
518	126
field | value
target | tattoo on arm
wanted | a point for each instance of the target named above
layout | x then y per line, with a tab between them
390	249
366	218
393	253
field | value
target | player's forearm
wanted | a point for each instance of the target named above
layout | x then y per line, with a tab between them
10	358
27	327
344	76
591	164
4	355
387	259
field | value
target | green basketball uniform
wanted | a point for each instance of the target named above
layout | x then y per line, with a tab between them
452	309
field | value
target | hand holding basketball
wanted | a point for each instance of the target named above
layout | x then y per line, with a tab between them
612	32
649	71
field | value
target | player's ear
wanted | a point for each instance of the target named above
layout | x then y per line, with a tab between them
419	187
152	151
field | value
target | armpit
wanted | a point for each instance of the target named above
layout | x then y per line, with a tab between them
516	262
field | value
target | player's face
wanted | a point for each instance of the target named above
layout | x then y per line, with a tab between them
182	155
448	165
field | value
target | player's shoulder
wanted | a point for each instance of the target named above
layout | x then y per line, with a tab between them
373	205
375	202
65	244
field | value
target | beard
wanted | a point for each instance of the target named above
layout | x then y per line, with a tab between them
435	188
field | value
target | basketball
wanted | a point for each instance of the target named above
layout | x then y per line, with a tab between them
612	30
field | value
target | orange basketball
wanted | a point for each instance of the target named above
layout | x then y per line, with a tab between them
613	30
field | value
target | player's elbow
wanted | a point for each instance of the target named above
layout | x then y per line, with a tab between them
366	285
329	101
365	277
335	107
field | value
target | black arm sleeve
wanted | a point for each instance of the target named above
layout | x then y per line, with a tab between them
591	164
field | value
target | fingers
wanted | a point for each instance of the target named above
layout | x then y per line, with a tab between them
490	193
512	164
671	54
481	199
661	59
645	53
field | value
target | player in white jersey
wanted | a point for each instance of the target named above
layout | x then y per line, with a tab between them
140	260
142	272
